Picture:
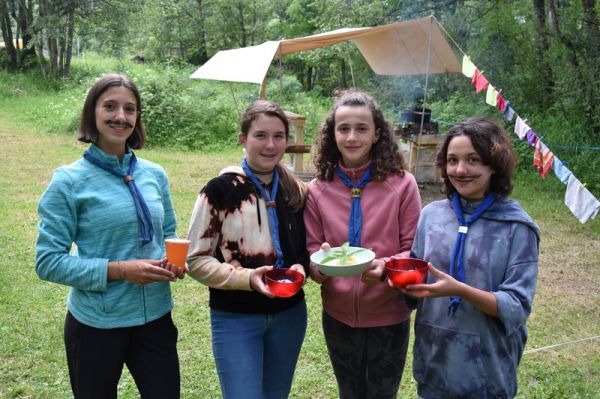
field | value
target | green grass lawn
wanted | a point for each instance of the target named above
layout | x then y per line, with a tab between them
32	364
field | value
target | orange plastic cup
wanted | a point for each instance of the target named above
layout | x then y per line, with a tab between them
177	250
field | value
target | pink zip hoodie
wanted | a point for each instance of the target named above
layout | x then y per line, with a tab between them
390	212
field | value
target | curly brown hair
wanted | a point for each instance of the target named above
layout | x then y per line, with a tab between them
385	155
493	146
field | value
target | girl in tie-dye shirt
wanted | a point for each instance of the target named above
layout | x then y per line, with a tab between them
470	327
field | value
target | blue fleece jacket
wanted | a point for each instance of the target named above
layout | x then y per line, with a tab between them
93	209
472	354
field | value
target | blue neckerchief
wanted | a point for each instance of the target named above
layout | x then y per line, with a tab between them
271	208
140	205
355	222
457	267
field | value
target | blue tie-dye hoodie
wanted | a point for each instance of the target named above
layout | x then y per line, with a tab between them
472	354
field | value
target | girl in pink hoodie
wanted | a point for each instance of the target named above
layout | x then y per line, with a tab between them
366	323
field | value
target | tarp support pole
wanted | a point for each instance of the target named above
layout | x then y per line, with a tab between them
350	63
280	79
424	96
234	99
263	89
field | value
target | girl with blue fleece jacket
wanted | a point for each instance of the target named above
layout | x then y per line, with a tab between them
470	326
117	209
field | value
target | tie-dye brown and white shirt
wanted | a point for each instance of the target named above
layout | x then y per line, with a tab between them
230	236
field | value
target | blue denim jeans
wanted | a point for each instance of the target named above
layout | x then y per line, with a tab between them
256	354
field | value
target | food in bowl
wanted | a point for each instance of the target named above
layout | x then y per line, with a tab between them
406	271
342	256
284	283
349	260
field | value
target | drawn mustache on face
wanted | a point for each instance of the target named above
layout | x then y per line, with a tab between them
115	123
464	177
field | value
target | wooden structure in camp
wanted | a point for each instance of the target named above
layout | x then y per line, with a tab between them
296	147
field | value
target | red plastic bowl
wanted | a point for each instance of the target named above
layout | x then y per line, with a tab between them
406	271
284	283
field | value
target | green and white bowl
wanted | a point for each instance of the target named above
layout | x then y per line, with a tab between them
361	262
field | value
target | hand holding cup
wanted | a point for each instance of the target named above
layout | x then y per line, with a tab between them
177	250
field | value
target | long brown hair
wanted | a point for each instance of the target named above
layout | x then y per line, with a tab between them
293	188
386	158
88	132
493	146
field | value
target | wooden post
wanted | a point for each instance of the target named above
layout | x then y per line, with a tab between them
263	89
297	147
299	158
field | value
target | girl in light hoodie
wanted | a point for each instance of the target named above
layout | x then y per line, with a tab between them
470	325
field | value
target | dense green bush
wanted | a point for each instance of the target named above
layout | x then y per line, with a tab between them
180	112
177	111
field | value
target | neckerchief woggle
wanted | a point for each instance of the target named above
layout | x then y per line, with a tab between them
457	267
355	221
141	209
271	210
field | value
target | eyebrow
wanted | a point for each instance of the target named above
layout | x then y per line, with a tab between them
265	132
360	124
468	154
111	100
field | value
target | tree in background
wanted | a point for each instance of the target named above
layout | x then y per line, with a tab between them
9	42
19	45
55	29
41	27
575	52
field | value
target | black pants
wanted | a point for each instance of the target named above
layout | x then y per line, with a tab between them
368	362
96	357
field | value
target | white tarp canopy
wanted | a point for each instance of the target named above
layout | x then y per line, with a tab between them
397	49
